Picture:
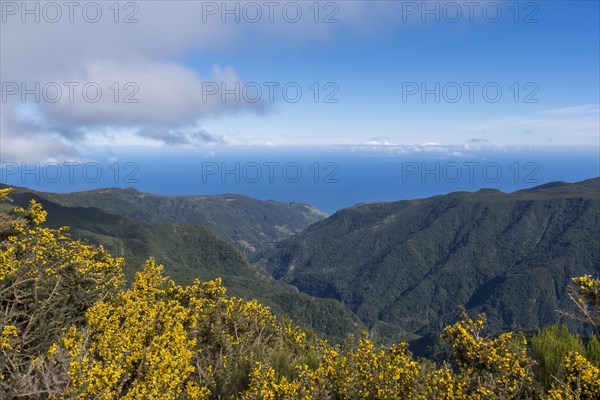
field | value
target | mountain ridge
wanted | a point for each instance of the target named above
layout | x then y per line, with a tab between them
192	251
402	267
247	222
411	263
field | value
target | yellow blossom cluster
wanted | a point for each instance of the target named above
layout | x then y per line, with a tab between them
587	297
492	367
160	340
8	333
372	373
582	380
134	347
47	281
69	330
264	386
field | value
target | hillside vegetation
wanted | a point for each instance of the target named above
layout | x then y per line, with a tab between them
251	225
192	251
405	267
69	328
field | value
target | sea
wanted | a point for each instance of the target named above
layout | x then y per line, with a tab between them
328	178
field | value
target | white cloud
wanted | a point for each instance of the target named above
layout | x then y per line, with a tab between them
588	109
144	58
160	100
37	147
159	55
575	125
149	93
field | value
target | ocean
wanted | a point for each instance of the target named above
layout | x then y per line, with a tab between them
326	178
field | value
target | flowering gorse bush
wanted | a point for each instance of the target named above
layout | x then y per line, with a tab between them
47	282
70	330
491	368
586	295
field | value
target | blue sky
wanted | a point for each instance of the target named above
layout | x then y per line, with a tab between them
544	59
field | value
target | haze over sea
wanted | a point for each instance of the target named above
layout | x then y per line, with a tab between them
327	178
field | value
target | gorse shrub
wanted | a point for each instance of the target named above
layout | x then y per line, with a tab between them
47	282
69	329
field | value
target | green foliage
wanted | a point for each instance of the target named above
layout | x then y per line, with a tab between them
160	340
189	250
592	351
250	224
411	263
549	348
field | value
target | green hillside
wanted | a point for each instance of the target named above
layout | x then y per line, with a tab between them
252	225
71	327
405	267
191	251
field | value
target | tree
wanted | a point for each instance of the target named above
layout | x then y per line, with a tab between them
549	348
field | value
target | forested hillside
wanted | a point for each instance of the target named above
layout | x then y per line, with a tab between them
71	328
405	267
250	224
192	251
